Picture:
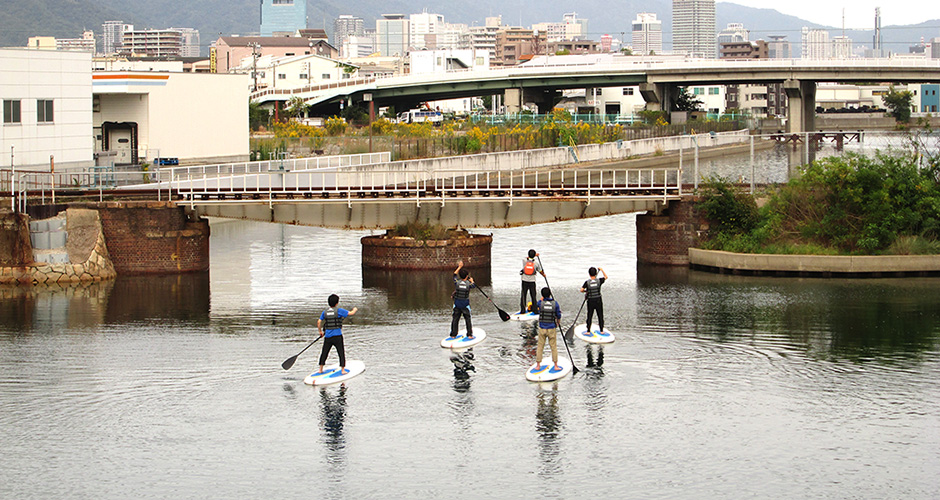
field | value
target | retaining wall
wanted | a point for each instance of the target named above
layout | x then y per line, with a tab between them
407	253
813	265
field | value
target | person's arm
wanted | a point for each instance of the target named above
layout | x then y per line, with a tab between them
557	310
584	287
472	284
320	324
354	309
459	266
601	269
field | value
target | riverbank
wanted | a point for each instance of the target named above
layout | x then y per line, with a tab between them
846	266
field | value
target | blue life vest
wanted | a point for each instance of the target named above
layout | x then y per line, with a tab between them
332	320
547	311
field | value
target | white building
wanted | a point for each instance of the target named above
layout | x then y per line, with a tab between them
424	30
344	27
693	28
734	33
195	117
113	36
815	44
841	47
47	108
392	35
295	71
170	42
647	34
443	60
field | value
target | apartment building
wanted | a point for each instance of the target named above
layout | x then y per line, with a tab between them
647	34
514	45
283	17
693	28
170	42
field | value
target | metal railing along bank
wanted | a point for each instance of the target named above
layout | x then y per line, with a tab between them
379	185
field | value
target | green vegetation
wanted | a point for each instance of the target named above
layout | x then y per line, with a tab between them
898	104
839	205
686	101
425	231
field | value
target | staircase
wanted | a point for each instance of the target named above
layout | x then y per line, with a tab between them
48	237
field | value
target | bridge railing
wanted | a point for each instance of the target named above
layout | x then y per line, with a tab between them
280	164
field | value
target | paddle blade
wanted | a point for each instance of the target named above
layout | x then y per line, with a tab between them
569	334
503	315
289	362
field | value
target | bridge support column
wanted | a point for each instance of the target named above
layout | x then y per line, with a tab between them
659	96
512	99
801	98
665	238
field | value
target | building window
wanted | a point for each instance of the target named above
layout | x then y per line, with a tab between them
282	76
44	110
302	76
11	111
628	91
713	91
698	91
325	76
282	2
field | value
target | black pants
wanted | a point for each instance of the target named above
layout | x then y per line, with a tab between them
458	312
337	342
527	286
595	305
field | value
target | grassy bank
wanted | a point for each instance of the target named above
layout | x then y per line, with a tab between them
850	205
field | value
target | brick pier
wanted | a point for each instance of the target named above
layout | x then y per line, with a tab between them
666	238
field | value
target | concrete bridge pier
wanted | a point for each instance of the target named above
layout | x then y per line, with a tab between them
801	98
659	96
512	99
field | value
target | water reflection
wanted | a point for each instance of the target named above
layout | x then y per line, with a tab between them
595	362
548	425
333	420
74	305
463	364
182	297
418	290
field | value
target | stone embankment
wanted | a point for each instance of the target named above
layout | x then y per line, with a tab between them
815	265
87	260
395	252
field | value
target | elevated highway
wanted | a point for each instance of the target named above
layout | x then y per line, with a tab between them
658	82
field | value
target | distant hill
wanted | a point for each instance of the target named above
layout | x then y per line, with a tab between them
67	18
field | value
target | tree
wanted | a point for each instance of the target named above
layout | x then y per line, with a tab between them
626	51
296	107
257	116
686	101
898	103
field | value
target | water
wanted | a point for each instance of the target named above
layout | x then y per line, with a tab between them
171	387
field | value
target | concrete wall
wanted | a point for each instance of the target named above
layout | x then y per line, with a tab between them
65	78
871	265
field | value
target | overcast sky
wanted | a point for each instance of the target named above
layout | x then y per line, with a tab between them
859	14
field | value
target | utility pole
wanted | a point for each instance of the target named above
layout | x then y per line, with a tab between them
254	64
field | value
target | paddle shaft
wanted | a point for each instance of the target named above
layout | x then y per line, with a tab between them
289	362
574	368
503	315
576	316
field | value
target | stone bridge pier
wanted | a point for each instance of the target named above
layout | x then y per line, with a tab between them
665	237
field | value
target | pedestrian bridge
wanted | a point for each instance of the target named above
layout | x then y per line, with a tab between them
486	190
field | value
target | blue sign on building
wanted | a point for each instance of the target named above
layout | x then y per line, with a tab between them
285	16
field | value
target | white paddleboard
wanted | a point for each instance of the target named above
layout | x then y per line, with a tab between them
546	371
595	336
331	374
529	316
461	341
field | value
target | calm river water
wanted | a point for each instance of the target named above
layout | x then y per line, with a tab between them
717	387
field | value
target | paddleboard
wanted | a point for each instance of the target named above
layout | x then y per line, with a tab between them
529	316
331	374
546	372
461	341
595	336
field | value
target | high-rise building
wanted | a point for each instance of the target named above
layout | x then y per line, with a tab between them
84	44
734	33
693	27
113	36
815	44
647	34
779	47
346	26
170	42
425	29
841	47
607	42
392	34
283	16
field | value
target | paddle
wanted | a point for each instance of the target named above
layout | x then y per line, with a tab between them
289	362
574	369
569	335
503	315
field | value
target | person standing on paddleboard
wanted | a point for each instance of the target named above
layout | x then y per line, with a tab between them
549	314
529	269
330	326
592	290
463	282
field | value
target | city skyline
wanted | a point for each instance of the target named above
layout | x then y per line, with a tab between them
858	14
